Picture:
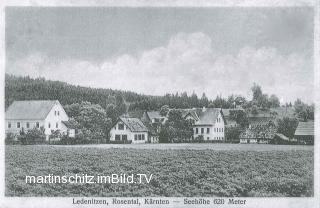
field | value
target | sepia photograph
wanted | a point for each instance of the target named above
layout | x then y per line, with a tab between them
164	106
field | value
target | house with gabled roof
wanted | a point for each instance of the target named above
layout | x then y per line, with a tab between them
208	123
154	117
304	133
28	114
128	130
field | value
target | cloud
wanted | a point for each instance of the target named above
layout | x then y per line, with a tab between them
187	63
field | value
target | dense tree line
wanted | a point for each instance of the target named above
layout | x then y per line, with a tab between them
26	88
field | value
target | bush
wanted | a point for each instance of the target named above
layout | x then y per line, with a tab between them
11	138
33	136
232	134
199	139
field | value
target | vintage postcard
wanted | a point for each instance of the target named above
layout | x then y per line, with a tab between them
160	104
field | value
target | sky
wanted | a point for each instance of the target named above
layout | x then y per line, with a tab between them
154	51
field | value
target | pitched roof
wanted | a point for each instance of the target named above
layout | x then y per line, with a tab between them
259	132
192	112
154	114
30	109
208	116
68	124
134	124
305	129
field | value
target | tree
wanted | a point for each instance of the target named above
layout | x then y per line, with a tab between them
303	111
258	98
112	112
240	100
164	110
254	110
204	102
256	92
287	126
240	117
92	121
274	101
163	136
177	128
232	134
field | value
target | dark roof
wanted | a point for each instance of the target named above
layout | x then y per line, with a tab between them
305	129
30	109
192	112
134	124
68	124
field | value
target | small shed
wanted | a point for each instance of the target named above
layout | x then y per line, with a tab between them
305	133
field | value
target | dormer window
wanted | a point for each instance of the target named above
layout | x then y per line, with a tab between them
121	126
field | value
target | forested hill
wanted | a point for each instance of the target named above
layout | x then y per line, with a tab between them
26	88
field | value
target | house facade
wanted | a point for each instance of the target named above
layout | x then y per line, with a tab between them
129	130
208	123
29	114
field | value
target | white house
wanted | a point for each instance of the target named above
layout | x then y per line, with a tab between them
208	123
28	114
129	130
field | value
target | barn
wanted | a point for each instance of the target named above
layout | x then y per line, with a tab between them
304	133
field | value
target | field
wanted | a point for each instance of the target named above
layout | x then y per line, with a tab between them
178	170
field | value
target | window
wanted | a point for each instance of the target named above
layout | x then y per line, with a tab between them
28	125
197	131
143	137
37	125
117	137
57	125
135	137
124	137
222	129
18	124
58	113
208	130
120	126
202	130
9	125
139	136
49	125
208	138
